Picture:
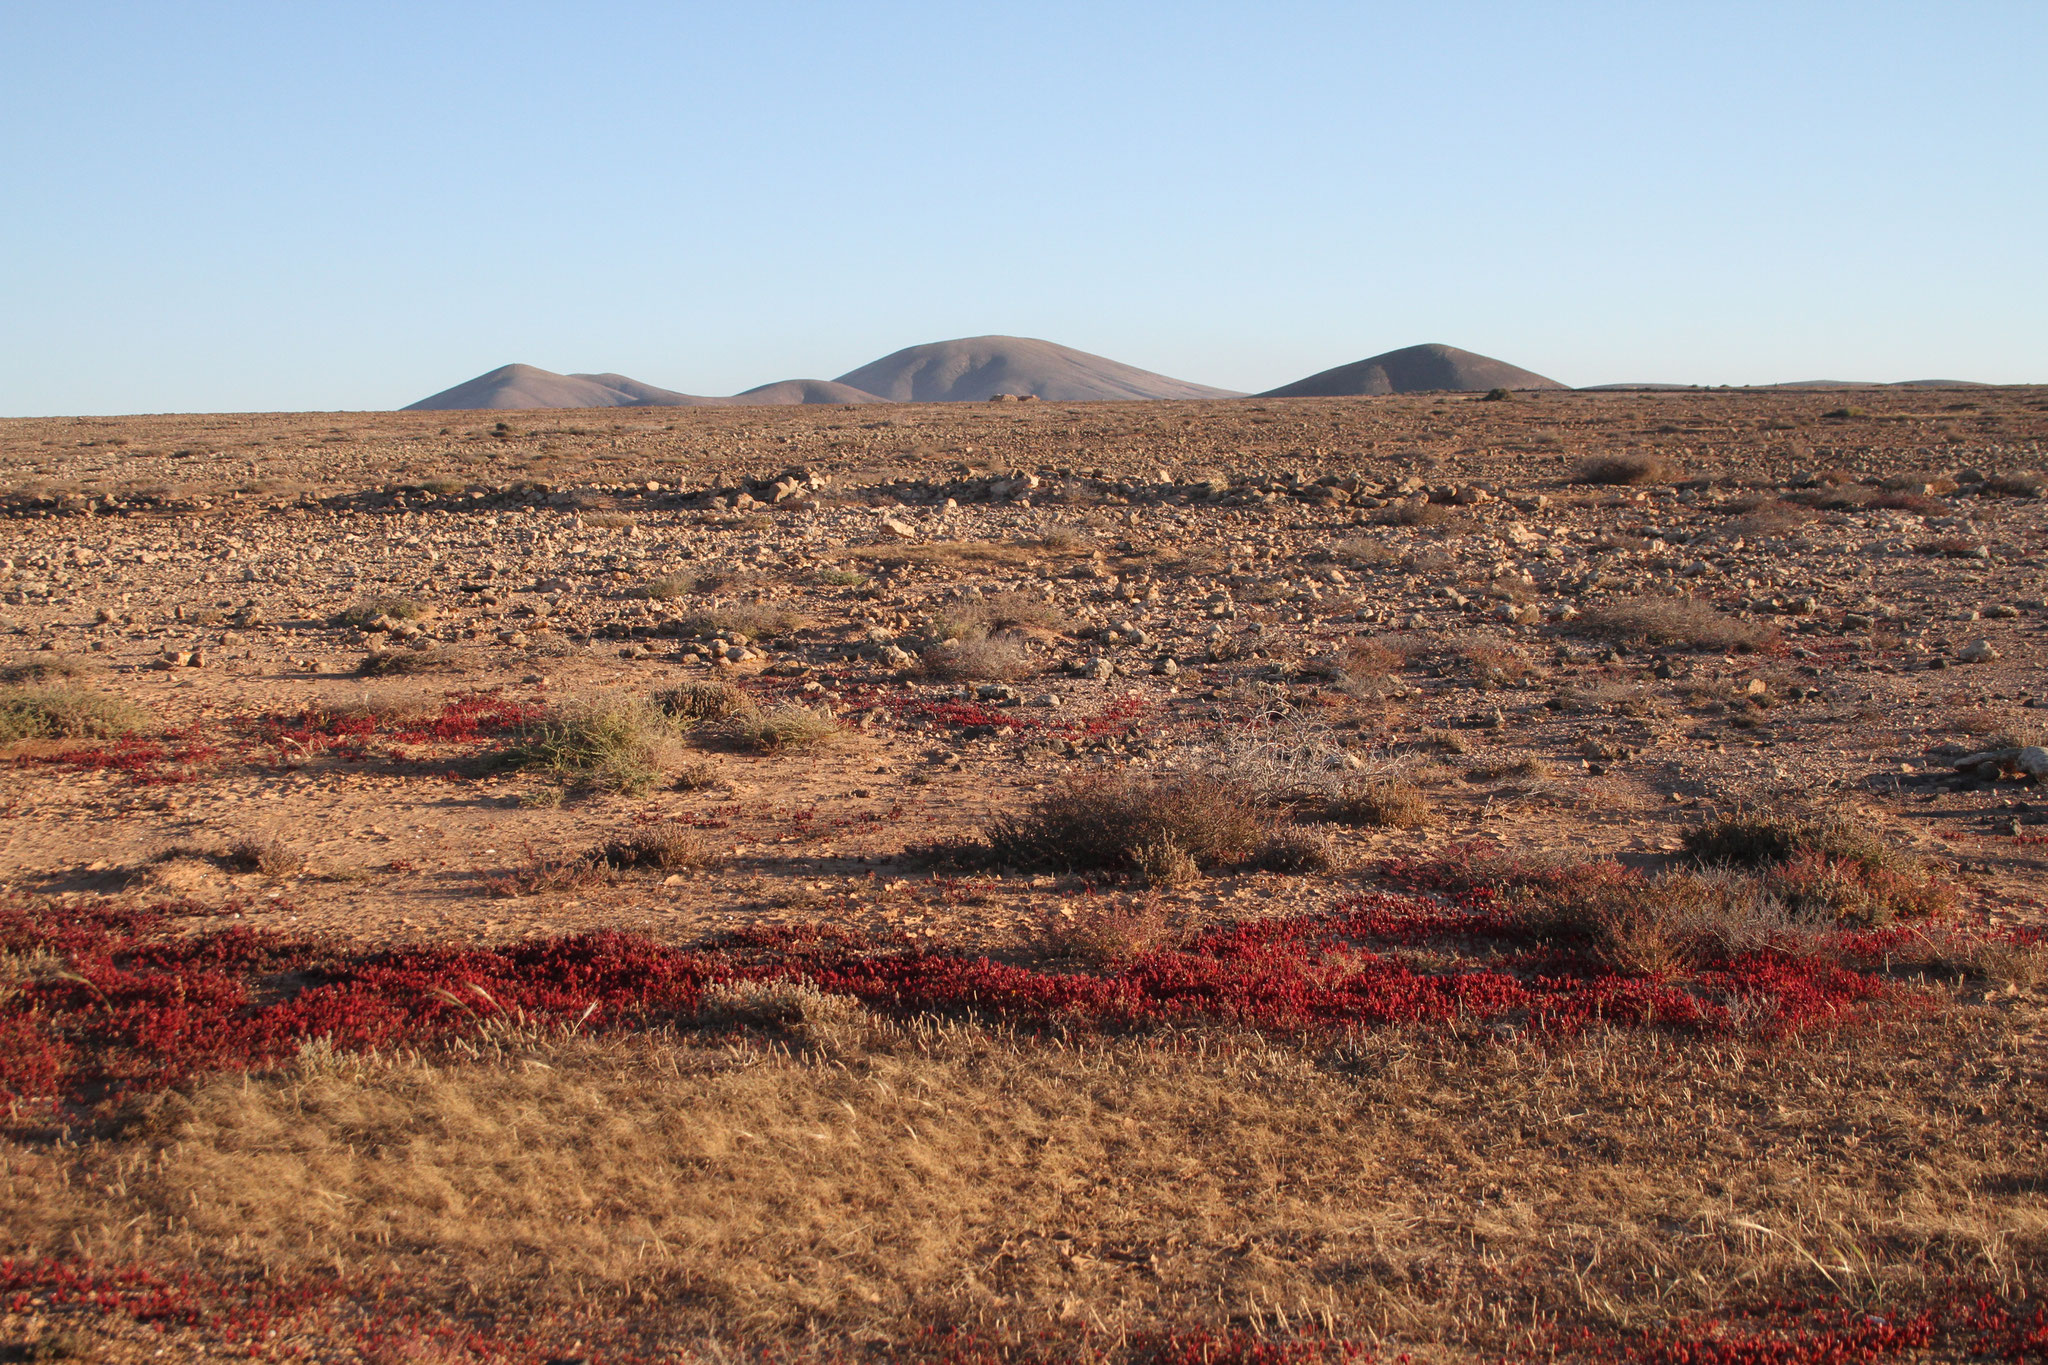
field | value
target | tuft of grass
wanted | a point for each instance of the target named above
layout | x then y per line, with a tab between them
263	853
365	610
669	847
1679	621
28	713
1134	825
788	727
696	702
410	663
1106	935
666	588
618	744
1381	802
1823	867
46	667
753	620
1295	852
1629	471
991	659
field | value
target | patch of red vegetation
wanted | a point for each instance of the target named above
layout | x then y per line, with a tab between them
464	719
137	1007
145	762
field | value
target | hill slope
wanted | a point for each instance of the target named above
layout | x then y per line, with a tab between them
974	369
1415	369
528	386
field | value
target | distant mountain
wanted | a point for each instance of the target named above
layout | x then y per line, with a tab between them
801	391
1414	369
527	386
975	369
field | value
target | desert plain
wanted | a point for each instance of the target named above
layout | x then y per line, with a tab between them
1435	876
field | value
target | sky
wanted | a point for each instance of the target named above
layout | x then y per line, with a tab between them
263	207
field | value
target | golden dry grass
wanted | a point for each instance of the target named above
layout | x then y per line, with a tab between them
858	1178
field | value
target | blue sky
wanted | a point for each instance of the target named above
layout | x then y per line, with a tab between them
225	206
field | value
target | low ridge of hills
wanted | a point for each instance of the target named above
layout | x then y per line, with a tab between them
529	386
974	369
1415	369
977	369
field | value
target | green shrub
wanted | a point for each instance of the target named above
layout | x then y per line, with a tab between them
67	713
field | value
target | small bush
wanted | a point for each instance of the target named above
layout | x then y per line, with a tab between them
46	667
1628	470
66	713
2016	485
779	729
696	702
1380	802
1295	852
994	659
1823	867
998	612
362	612
667	588
696	777
753	620
1106	936
669	847
409	663
613	744
266	854
1667	621
1121	822
1412	513
545	872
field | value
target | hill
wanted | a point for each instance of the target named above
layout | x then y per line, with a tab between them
1415	369
528	386
975	369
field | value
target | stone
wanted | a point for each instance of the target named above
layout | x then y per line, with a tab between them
2033	761
899	528
1978	651
1098	669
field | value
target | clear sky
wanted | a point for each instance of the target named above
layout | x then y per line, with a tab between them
228	206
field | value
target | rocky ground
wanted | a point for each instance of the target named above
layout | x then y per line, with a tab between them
1397	1062
1425	587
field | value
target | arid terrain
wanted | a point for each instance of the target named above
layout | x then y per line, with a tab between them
1257	880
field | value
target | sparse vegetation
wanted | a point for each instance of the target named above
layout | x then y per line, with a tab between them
30	713
1381	802
1628	471
366	610
1674	621
611	744
787	727
1134	826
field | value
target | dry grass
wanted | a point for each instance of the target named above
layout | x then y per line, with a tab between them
409	663
1674	621
697	702
754	620
1415	1191
30	713
1381	802
365	610
265	853
786	728
1161	829
1628	470
999	658
613	743
45	667
667	847
1105	935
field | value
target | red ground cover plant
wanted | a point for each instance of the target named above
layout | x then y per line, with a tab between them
158	762
136	1004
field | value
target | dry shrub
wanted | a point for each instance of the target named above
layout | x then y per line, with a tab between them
1823	867
45	667
754	620
363	611
697	702
786	728
1123	822
541	873
1410	512
998	658
28	713
1106	935
2016	485
1669	621
666	588
696	777
263	853
407	663
1381	802
995	613
1772	518
1628	470
1492	663
614	743
1649	926
1295	852
667	847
